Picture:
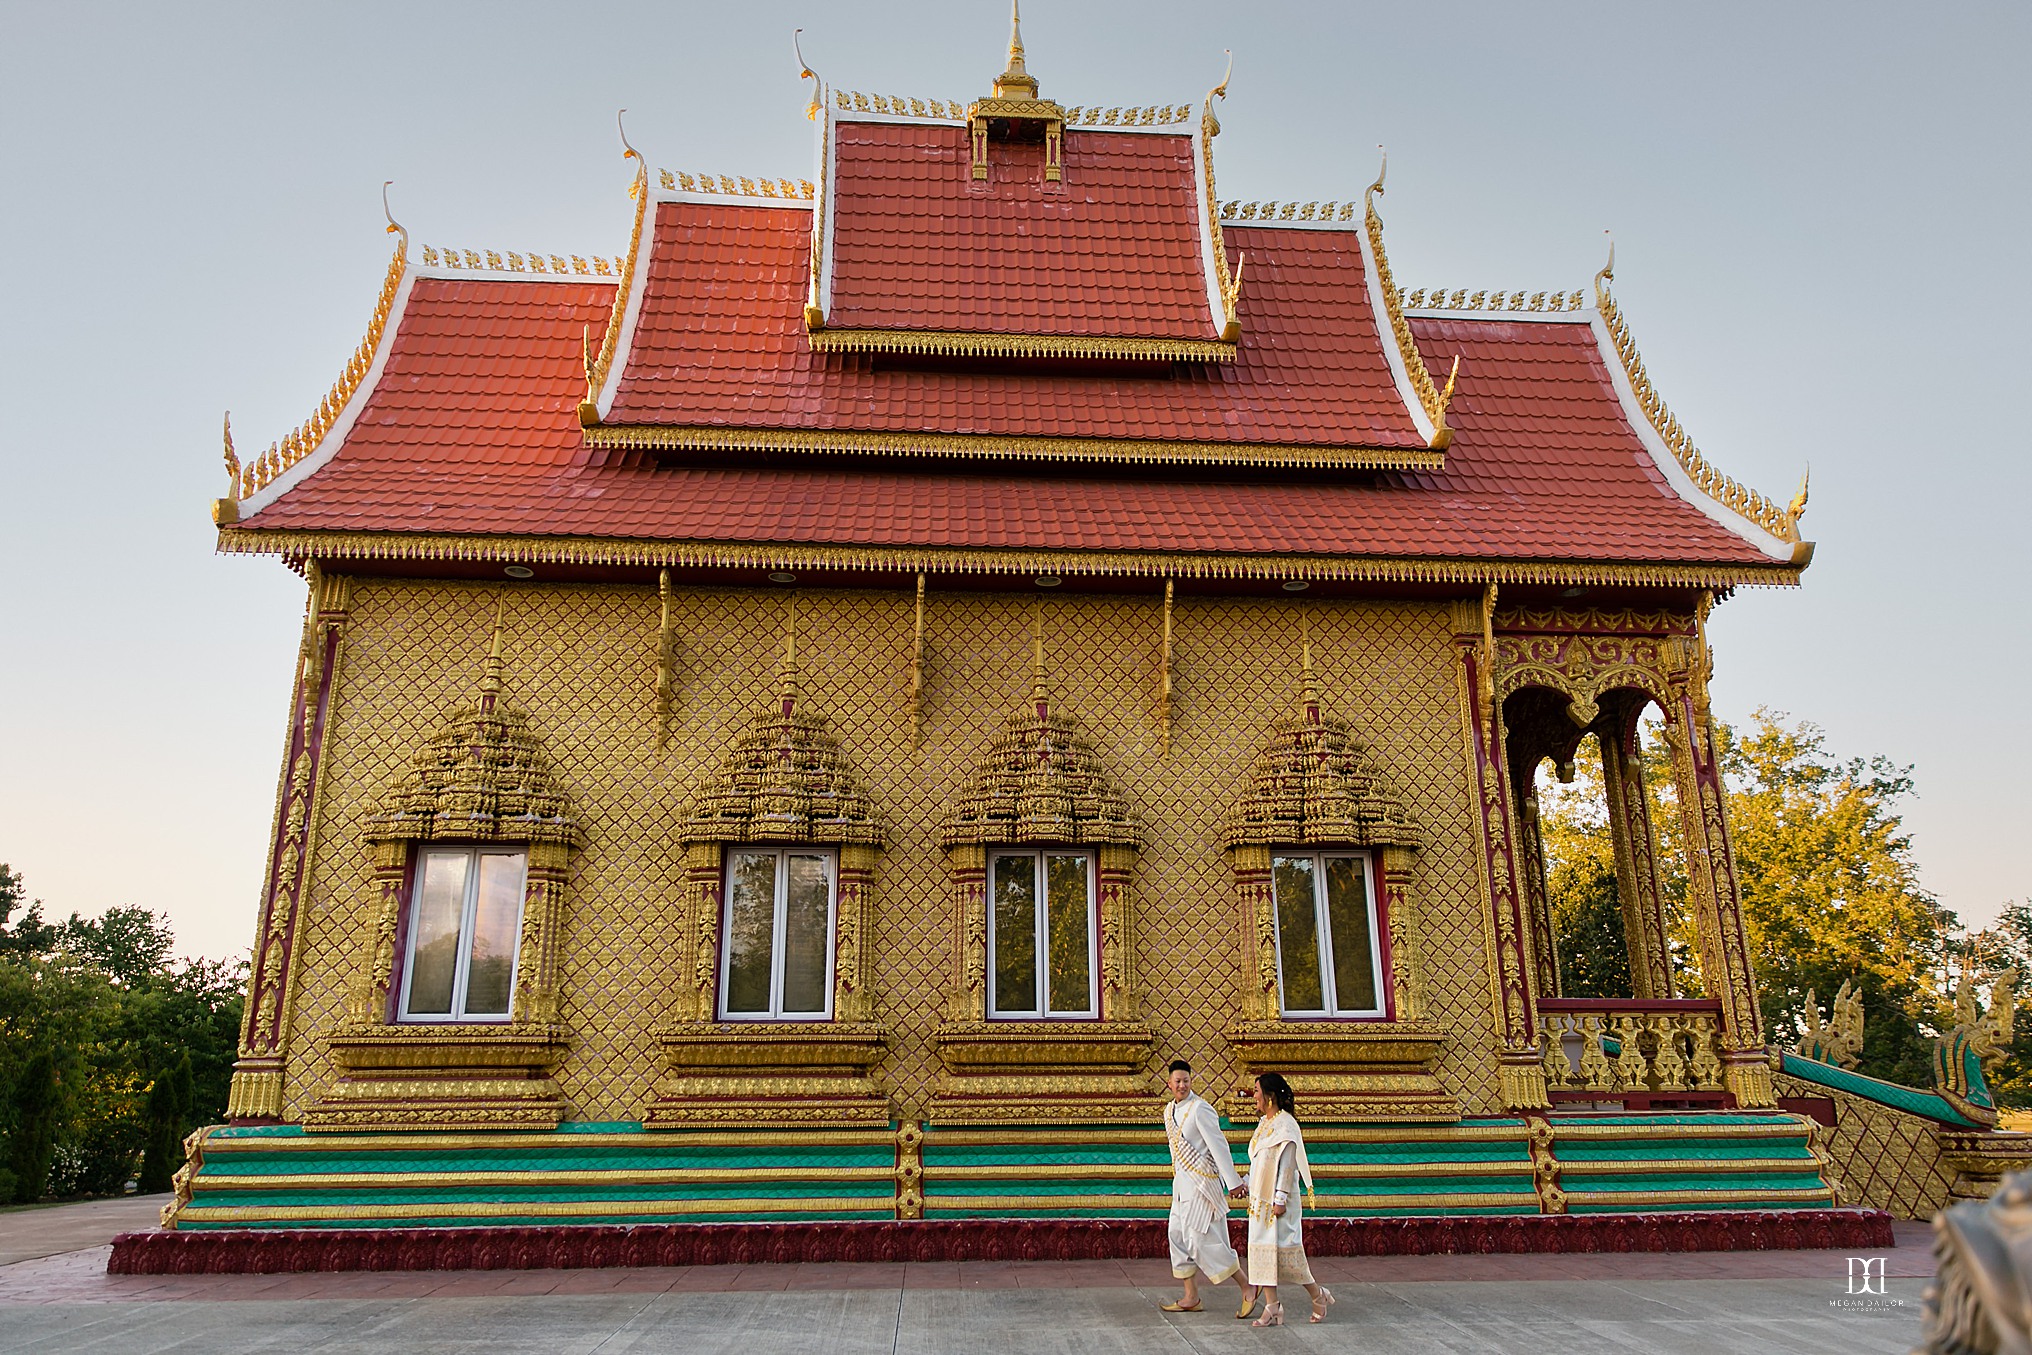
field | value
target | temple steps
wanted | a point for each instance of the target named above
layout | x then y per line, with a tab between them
283	1177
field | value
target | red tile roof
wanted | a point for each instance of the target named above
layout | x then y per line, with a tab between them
1113	249
472	429
720	342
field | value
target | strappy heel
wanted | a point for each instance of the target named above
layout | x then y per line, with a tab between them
1322	1303
1273	1316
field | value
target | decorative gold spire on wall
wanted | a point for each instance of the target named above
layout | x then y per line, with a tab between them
1314	782
1041	780
483	776
785	779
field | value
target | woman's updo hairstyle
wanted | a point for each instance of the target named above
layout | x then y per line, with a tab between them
1279	1091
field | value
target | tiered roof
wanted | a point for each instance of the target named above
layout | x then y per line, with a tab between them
940	356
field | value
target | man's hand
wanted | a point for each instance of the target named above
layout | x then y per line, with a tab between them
1276	1211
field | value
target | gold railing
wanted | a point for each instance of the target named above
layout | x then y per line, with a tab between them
1617	1047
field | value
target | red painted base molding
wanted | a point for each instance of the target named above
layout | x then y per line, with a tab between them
571	1247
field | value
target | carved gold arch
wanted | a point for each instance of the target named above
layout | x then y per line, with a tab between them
1042	782
484	776
1315	784
784	779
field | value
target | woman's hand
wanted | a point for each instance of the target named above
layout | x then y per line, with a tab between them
1239	1193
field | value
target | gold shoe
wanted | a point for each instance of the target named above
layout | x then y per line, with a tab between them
1248	1308
1181	1307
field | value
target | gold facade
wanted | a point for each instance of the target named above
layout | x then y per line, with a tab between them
583	662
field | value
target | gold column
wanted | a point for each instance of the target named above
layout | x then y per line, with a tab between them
1400	905
1636	845
1120	998
1521	1073
1259	923
540	950
853	1000
702	887
256	1091
1537	897
1711	873
968	997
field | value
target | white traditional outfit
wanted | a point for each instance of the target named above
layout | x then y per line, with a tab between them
1278	1168
1202	1174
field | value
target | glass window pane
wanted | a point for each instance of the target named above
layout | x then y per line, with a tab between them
439	907
1347	914
751	931
1067	928
807	939
497	918
1297	933
1015	903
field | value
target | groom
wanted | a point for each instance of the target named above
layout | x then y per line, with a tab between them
1202	1175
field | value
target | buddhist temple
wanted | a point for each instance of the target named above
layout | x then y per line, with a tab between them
801	720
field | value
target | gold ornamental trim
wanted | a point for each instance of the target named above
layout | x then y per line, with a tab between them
539	1179
627	552
263	470
410	1138
1430	397
990	447
1782	523
647	1209
965	343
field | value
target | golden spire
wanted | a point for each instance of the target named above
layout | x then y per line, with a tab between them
490	679
1038	693
788	687
1015	82
1308	679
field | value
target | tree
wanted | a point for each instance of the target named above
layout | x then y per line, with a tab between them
167	1116
1831	891
140	1047
1580	879
33	1142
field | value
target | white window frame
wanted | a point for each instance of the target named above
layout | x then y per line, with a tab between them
1324	934
1043	1011
782	852
468	916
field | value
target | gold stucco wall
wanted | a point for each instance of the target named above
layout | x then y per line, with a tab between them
582	661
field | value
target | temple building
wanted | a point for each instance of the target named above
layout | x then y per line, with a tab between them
804	719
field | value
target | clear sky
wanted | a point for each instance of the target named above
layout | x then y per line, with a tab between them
1820	213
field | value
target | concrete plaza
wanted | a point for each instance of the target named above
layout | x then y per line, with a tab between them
1702	1303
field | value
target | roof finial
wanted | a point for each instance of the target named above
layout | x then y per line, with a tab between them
805	72
1382	172
1446	396
1015	82
1608	273
394	227
232	461
1220	91
1793	511
628	152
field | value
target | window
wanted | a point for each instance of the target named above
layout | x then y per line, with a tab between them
465	916
1041	904
1327	962
777	963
